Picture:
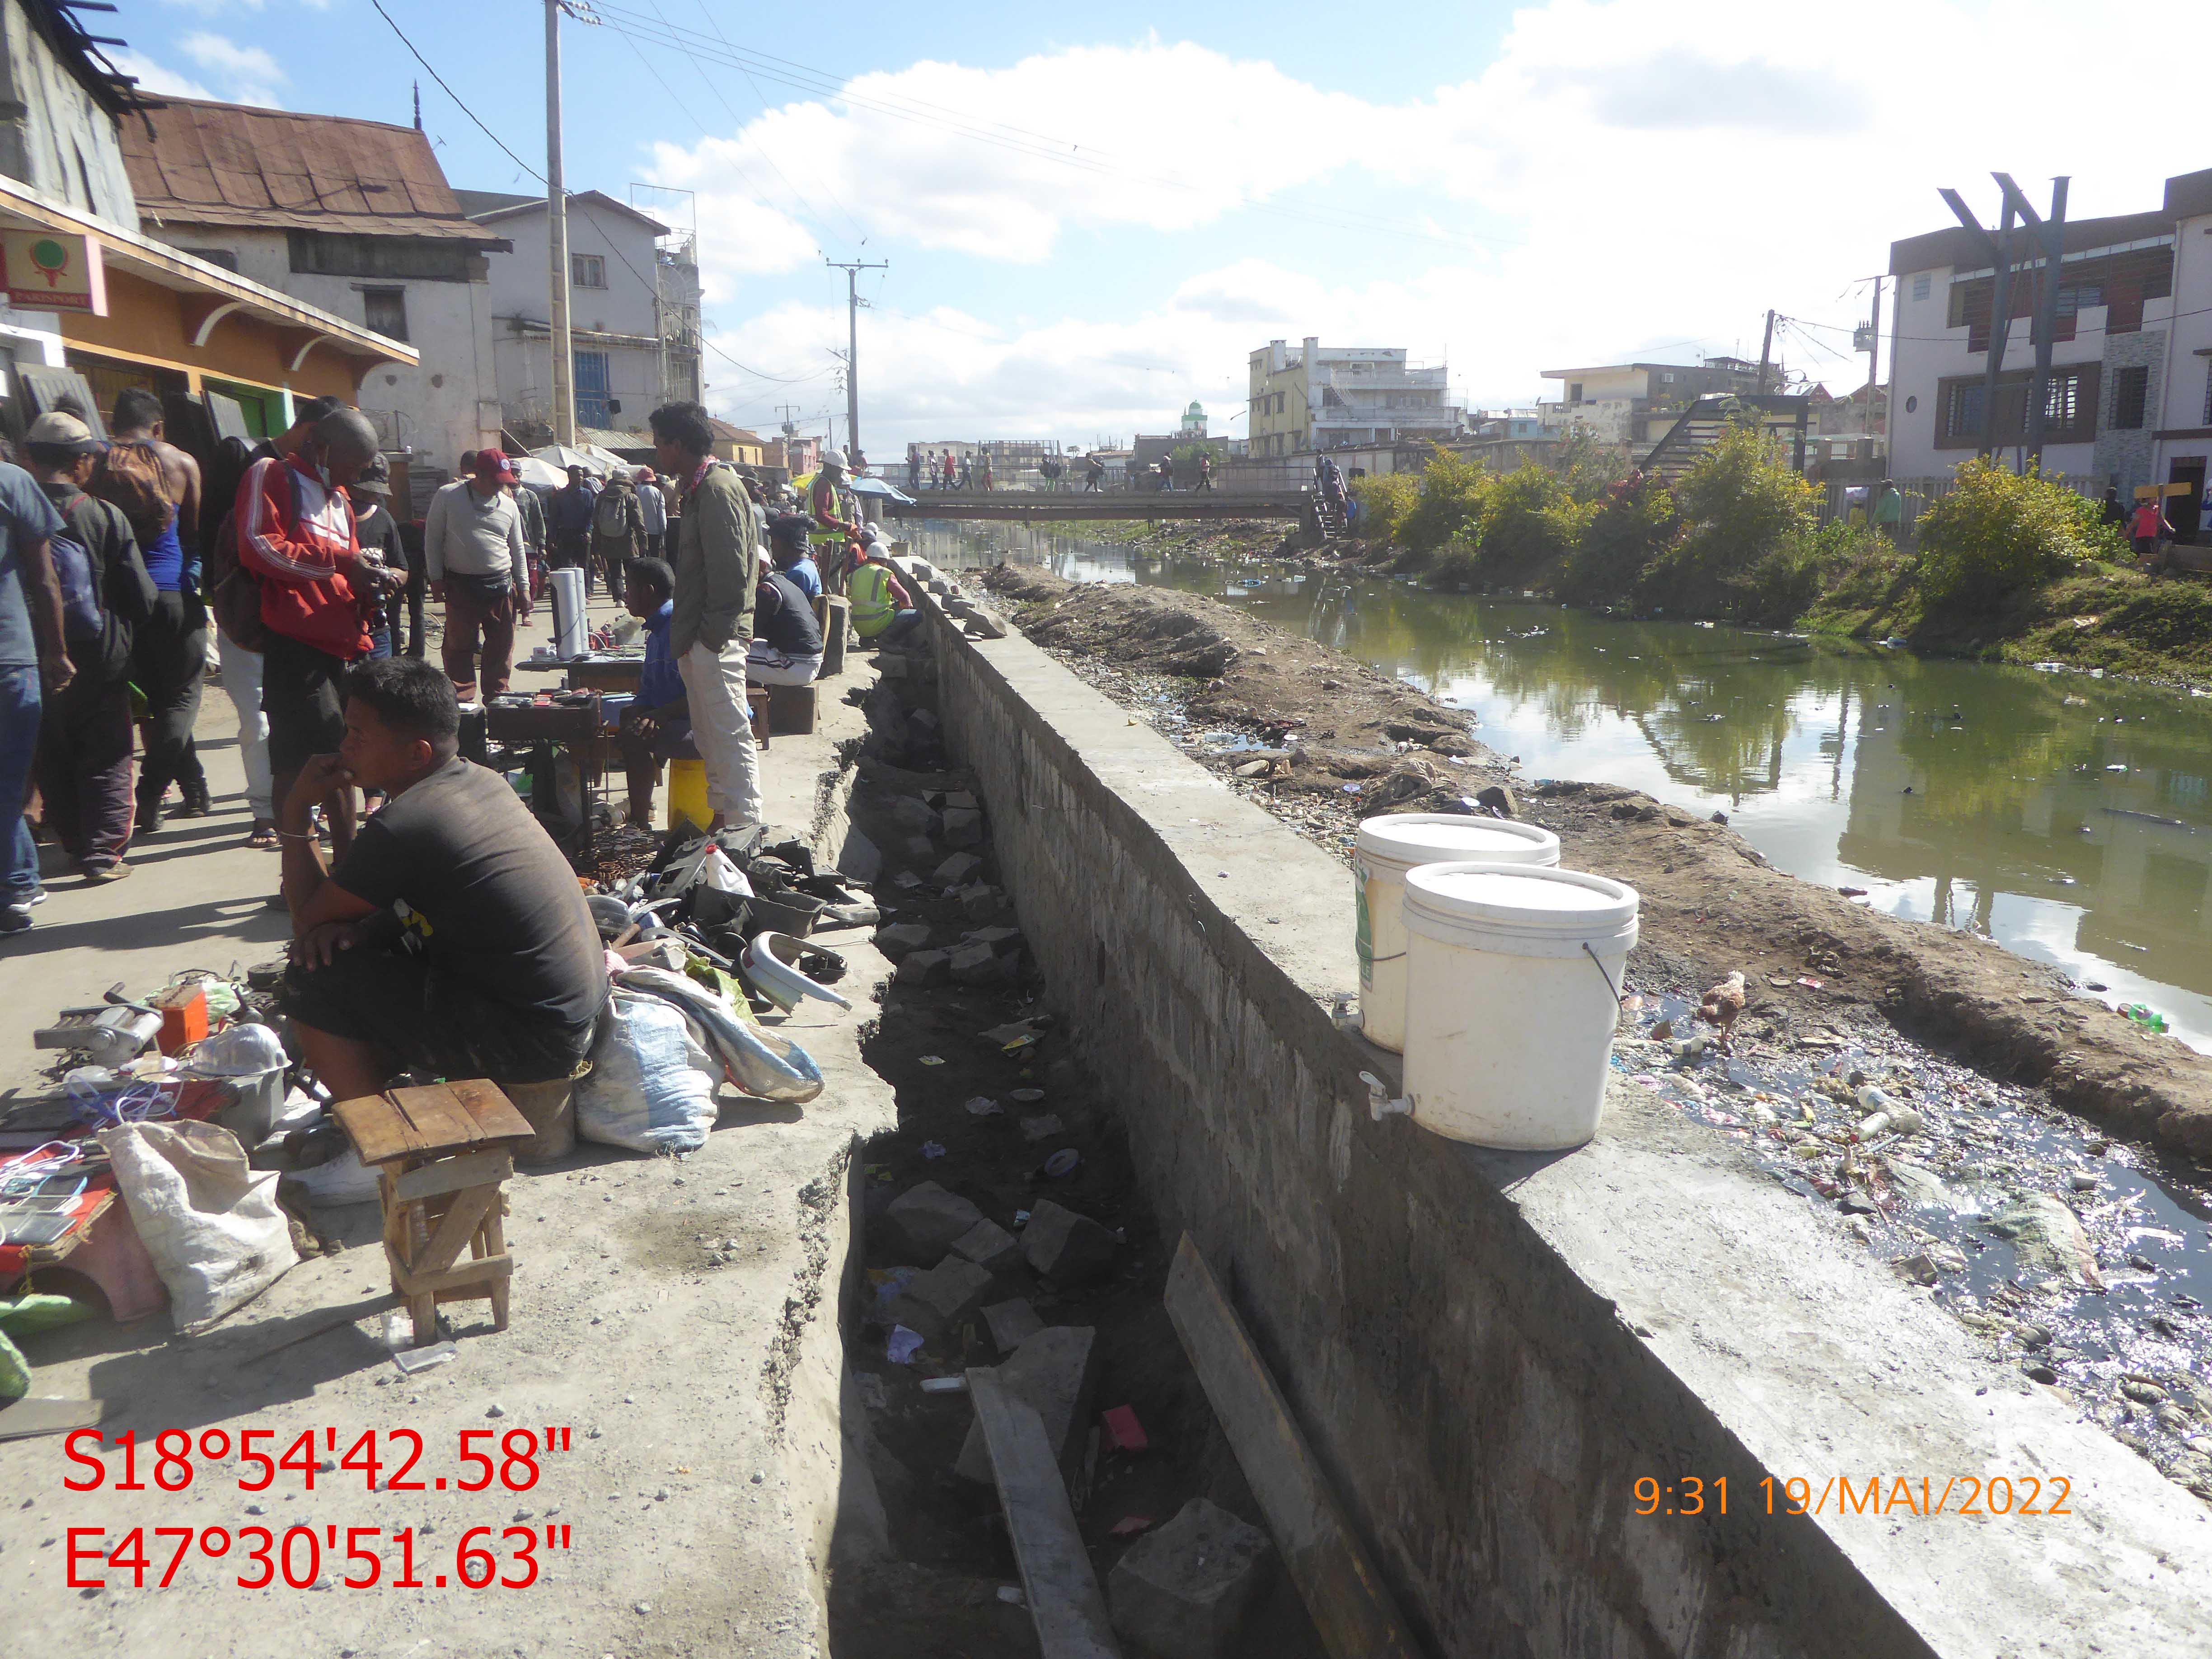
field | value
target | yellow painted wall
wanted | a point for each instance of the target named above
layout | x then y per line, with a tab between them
145	324
1263	422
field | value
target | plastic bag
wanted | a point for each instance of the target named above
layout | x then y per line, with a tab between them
237	1051
651	1086
759	1062
209	1221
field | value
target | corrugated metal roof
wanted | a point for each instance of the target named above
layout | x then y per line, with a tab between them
228	164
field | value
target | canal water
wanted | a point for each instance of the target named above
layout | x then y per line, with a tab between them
2067	817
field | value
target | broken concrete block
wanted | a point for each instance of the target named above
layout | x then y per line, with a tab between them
999	939
922	720
927	1219
925	968
894	942
1183	1592
1041	1127
982	624
979	965
963	826
890	665
1011	1323
912	814
1256	769
1053	1373
1067	1247
920	849
955	798
936	1302
1499	800
988	1245
861	858
955	870
979	902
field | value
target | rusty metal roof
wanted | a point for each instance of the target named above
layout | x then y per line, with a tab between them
229	164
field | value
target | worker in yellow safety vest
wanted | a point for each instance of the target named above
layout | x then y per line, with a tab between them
882	609
830	504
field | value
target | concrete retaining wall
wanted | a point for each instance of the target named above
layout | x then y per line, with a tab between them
1487	1351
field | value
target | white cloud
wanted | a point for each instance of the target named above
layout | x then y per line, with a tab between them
1622	177
220	55
217	8
158	78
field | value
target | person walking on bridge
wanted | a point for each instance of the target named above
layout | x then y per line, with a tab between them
1094	476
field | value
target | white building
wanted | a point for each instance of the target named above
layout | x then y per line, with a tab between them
1332	396
633	309
354	217
1634	404
2129	399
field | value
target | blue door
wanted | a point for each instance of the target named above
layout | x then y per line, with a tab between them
592	388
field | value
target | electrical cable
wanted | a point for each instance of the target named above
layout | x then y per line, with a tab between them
455	96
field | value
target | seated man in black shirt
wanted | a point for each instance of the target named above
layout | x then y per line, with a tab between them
451	940
787	647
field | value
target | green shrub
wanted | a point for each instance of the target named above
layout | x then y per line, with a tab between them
1451	498
1746	535
1385	503
1528	520
1630	522
1998	534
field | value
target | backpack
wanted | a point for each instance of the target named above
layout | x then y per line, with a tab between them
129	476
82	617
612	515
233	593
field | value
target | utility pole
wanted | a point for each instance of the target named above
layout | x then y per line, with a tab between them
1873	361
852	304
556	239
2052	235
1765	353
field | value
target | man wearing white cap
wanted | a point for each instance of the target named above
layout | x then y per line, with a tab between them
479	568
830	504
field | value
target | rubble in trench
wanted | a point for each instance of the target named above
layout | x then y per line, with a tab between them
1004	1227
2082	1258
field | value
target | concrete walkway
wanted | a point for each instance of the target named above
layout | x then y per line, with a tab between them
677	1317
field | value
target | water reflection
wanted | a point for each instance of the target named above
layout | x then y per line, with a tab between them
2066	817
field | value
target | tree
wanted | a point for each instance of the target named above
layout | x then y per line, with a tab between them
1998	533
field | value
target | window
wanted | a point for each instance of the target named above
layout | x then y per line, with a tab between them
1920	286
592	388
2207	394
385	310
2062	402
2080	297
1574	391
1666	378
320	253
213	255
2130	391
587	270
1963	419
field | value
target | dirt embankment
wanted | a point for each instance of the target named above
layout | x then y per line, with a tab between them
1710	902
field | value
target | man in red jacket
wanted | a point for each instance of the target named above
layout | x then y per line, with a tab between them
295	537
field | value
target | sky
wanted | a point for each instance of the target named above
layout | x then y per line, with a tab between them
1090	219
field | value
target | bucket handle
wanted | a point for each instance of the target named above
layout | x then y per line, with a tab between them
1602	975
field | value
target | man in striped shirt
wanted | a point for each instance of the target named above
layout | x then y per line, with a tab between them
295	537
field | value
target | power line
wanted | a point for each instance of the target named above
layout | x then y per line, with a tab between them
455	96
796	197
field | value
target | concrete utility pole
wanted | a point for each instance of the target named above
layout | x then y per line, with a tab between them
1874	360
1765	353
852	304
556	239
2052	235
1998	251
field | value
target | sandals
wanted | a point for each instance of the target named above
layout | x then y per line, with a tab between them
264	836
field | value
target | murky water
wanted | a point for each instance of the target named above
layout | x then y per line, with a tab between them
2067	817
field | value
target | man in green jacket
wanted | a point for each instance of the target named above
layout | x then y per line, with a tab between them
718	538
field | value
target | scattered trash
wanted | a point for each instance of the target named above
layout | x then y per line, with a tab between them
1062	1163
933	1149
1027	1097
1130	1525
900	1346
984	1106
1809	984
944	1385
1011	1594
2140	1015
933	1059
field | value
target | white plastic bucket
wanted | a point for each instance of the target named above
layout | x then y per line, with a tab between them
1387	848
1513	973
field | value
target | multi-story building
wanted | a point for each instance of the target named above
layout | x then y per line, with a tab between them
90	304
1634	404
2129	401
1336	397
352	216
633	310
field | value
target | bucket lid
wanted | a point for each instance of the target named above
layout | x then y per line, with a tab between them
1522	898
1405	840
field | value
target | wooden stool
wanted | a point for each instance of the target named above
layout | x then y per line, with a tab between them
792	708
441	1154
757	710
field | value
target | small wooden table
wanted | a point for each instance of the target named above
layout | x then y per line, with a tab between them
441	1155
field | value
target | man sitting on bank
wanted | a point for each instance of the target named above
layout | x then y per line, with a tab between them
451	940
787	647
883	611
660	715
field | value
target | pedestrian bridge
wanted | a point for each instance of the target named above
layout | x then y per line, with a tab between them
1030	506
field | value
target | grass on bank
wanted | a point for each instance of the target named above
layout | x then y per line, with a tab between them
2013	566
